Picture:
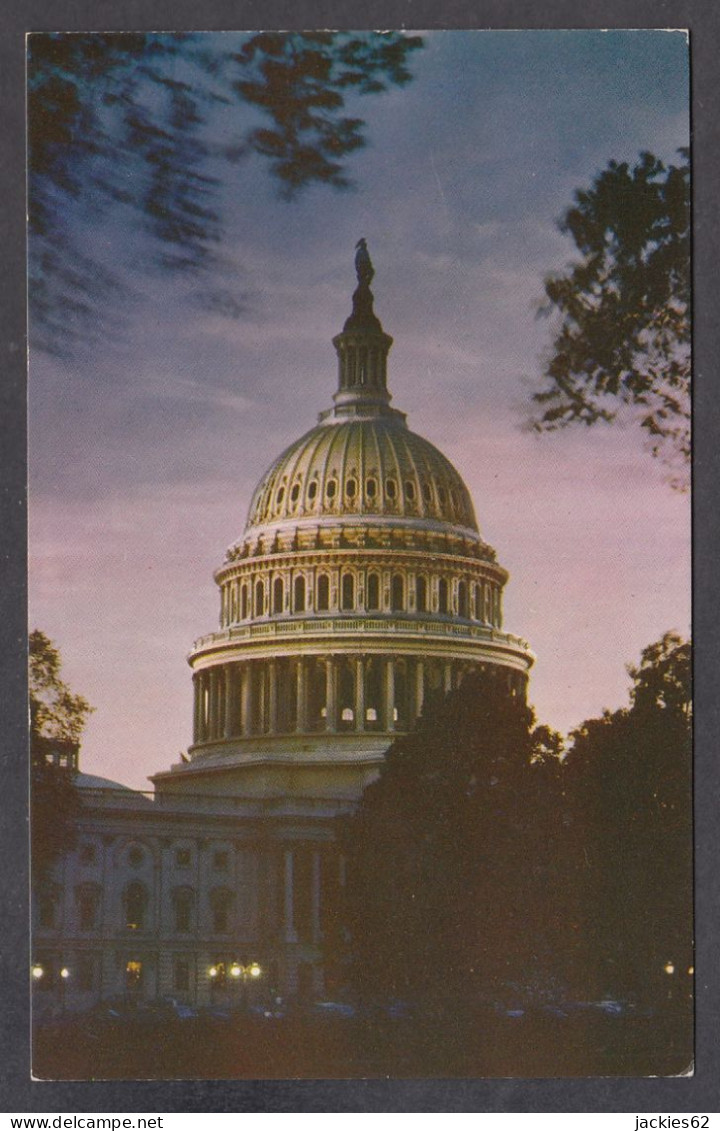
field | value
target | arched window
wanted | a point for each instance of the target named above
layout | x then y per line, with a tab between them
463	599
351	488
259	598
373	592
299	595
295	493
371	488
312	489
390	488
135	901
278	595
183	906
244	602
323	592
348	591
87	901
442	596
398	593
421	594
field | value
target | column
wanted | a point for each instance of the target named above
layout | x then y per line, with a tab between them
212	704
315	895
419	687
359	693
197	691
447	676
247	683
301	693
272	697
288	902
230	699
389	705
330	694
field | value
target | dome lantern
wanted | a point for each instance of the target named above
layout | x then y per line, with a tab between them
362	349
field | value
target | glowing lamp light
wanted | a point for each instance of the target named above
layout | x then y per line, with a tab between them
213	971
255	970
64	973
691	970
235	970
669	968
37	972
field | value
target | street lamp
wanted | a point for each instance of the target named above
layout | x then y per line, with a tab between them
37	971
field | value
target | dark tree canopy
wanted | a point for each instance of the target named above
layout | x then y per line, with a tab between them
443	877
125	124
57	720
623	337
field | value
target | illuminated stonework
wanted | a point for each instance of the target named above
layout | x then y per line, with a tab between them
359	584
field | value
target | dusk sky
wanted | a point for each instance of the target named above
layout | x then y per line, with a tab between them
144	452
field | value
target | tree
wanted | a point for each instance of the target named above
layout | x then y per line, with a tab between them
623	340
125	127
57	720
630	777
449	871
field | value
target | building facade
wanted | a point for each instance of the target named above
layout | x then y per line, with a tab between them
360	584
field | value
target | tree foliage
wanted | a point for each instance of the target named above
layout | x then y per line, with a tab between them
447	856
488	861
124	126
57	720
623	310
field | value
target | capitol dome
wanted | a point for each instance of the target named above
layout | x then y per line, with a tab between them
359	585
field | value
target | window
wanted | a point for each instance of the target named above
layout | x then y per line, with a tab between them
350	488
280	495
259	598
323	592
398	593
299	595
87	900
221	861
183	857
278	595
135	901
390	488
244	603
373	592
295	493
443	596
463	599
220	904
136	856
371	488
427	492
181	975
348	591
331	489
183	905
312	490
421	594
88	853
410	490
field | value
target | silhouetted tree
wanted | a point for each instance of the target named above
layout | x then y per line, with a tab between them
630	776
623	340
126	127
57	720
452	861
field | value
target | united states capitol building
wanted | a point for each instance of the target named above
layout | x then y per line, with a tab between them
360	584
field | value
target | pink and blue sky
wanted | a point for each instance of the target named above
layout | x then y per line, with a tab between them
145	451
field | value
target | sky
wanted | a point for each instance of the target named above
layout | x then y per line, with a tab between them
144	452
